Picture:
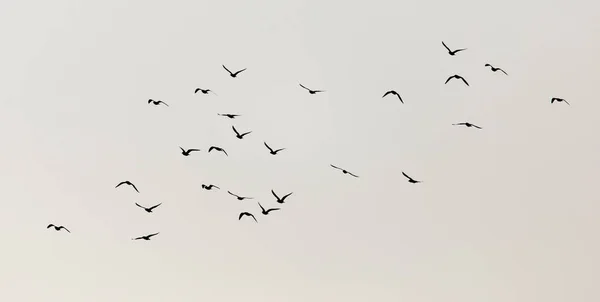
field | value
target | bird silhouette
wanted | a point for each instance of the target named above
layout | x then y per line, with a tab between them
266	212
233	74
282	199
238	135
209	187
218	149
311	91
494	69
456	77
410	179
467	124
204	91
127	182
157	102
344	171
188	151
393	92
239	197
559	100
452	52
57	228
147	237
242	214
149	210
271	150
231	116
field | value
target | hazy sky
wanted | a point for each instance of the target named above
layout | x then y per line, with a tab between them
507	213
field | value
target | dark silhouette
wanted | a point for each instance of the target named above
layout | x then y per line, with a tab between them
410	179
494	69
242	214
271	150
456	77
204	91
218	149
147	237
452	52
467	124
188	151
231	116
233	74
559	100
238	135
149	210
58	228
282	199
239	197
157	102
393	92
127	182
344	171
209	187
311	91
266	212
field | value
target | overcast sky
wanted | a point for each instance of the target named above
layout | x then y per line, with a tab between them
505	213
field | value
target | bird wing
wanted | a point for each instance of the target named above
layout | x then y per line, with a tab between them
445	46
62	227
216	187
268	147
134	187
222	150
120	184
226	69
503	71
461	49
352	174
149	101
459	124
273	209
463	79
138	238
273	192
253	217
336	167
197	89
261	207
304	87
285	196
211	148
476	126
232	194
246	133
137	204
388	92
400	98
278	150
448	80
315	91
50	225
240	71
566	102
152	235
164	103
406	175
154	207
234	130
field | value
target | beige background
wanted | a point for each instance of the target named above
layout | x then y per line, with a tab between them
507	213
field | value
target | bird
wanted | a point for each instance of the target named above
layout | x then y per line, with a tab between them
559	100
218	149
311	91
157	102
452	52
393	92
187	152
127	182
494	69
410	179
58	228
239	197
147	237
271	150
209	187
344	171
282	199
231	116
238	135
233	74
205	91
266	212
242	214
149	210
467	124
456	77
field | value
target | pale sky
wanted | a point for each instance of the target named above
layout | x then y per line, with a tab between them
506	213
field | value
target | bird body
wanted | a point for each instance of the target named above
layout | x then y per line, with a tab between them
410	179
344	171
188	151
231	116
233	74
559	100
57	228
494	69
218	149
456	77
238	135
393	92
204	91
239	197
149	210
242	214
147	237
271	150
209	187
157	102
127	182
310	90
266	212
469	125
282	199
452	52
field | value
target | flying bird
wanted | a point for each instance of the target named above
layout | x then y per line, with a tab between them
157	102
149	210
188	151
282	199
559	100
344	171
393	92
311	91
233	74
266	212
452	52
410	179
218	149
467	124
271	150
58	228
204	91
456	77
242	214
494	69
127	182
238	135
239	197
147	237
209	187
231	116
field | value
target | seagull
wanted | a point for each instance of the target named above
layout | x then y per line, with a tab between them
233	74
393	92
273	152
280	200
218	149
127	182
238	135
149	210
311	91
157	102
494	69
240	197
266	212
147	237
559	100
205	91
412	181
344	171
467	124
231	116
187	152
242	214
58	228
209	187
452	52
456	77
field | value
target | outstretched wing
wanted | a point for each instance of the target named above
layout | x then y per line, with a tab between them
352	174
120	184
385	94
211	148
226	69
232	194
139	206
273	192
278	150
446	46
50	225
503	71
154	207
62	227
304	87
239	71
448	80
197	89
234	130
268	147
273	209
163	103
476	126
285	196
463	79
151	235
336	167
134	187
261	207
246	133
406	175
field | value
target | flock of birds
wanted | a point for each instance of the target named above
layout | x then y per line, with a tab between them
281	200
